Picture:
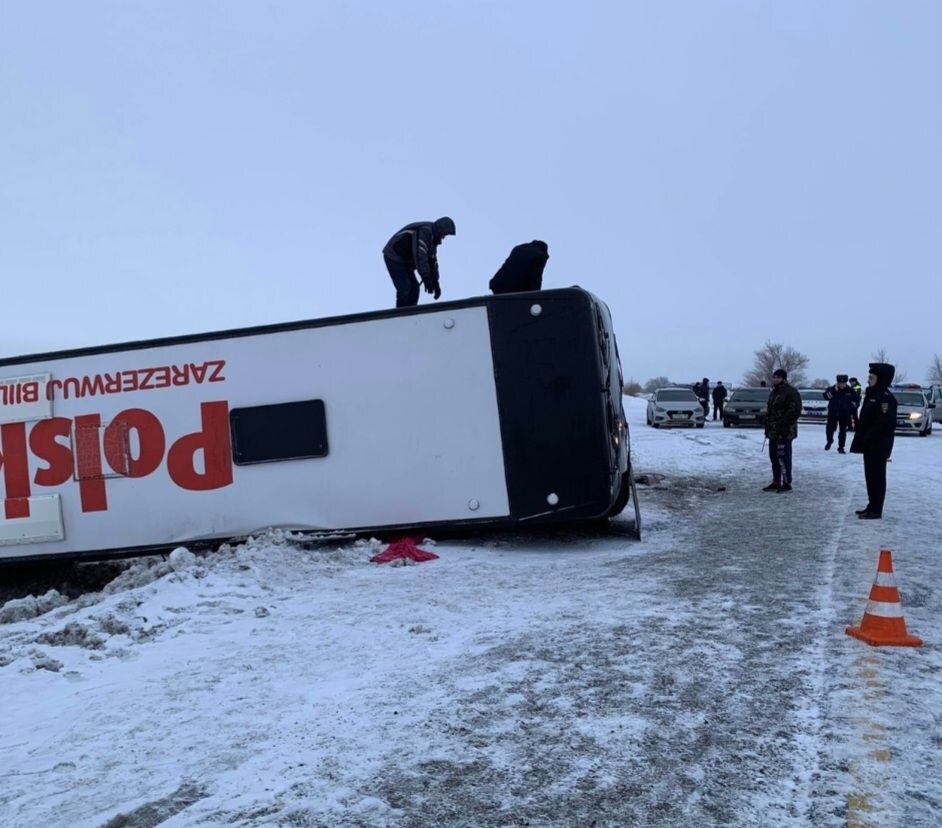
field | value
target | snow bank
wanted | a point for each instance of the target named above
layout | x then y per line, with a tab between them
20	609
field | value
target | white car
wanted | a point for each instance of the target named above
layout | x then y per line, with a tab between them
814	406
675	407
913	411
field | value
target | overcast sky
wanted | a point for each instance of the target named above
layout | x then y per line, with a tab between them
719	172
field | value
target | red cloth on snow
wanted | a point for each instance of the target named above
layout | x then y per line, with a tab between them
404	548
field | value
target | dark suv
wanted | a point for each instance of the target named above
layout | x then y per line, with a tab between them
746	406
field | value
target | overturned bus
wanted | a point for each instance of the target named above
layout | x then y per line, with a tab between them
499	411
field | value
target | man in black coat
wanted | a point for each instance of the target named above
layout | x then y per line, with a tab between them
874	436
703	394
719	399
413	248
842	405
781	427
523	268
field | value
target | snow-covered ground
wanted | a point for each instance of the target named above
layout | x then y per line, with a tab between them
700	676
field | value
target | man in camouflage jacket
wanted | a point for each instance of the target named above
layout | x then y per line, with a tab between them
781	427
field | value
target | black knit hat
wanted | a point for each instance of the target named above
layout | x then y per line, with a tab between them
842	377
445	226
780	372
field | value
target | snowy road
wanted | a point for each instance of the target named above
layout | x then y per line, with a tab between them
701	676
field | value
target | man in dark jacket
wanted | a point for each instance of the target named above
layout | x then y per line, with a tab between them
855	385
719	399
523	268
781	427
842	405
703	394
873	437
413	248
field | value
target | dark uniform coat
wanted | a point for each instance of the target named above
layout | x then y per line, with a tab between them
841	402
877	421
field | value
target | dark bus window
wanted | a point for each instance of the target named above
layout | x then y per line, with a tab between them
285	431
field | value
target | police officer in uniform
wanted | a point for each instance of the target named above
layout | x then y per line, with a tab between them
873	437
842	405
855	384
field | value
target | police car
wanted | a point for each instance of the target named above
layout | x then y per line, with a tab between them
913	410
814	406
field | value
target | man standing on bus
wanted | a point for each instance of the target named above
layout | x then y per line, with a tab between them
523	269
414	248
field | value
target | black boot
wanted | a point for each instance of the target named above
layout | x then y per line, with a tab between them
828	444
870	516
840	450
863	511
772	487
785	487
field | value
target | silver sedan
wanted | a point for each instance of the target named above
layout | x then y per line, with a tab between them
675	407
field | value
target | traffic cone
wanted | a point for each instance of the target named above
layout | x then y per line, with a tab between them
883	624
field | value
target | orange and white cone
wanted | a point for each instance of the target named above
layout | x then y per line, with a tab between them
883	624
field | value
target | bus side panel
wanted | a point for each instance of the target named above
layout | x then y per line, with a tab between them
552	415
412	430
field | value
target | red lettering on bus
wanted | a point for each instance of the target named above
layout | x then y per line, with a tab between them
43	443
88	463
147	378
15	469
129	381
112	383
213	440
150	438
216	375
73	383
181	374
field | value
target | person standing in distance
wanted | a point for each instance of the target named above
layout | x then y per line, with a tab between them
703	394
415	247
781	427
842	405
523	269
719	399
855	384
874	436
